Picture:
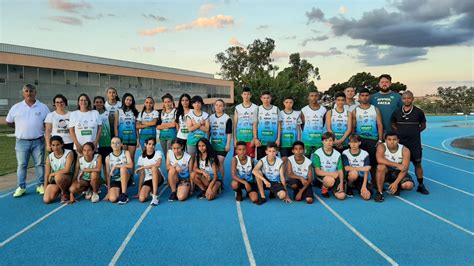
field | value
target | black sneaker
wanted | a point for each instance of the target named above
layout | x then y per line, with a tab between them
272	195
422	189
201	194
261	201
379	197
172	197
123	199
350	191
238	195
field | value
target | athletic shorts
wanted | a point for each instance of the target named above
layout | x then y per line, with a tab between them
275	187
253	185
392	174
359	181
336	183
370	146
221	153
308	192
286	152
184	182
149	183
416	151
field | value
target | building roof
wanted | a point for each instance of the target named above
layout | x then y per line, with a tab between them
25	50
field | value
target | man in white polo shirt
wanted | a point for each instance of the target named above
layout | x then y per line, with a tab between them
27	118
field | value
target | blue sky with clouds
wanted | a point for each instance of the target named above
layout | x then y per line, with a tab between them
422	43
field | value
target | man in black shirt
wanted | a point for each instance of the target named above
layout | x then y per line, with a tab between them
408	122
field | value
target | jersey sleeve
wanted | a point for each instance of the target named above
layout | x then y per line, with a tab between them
367	160
316	161
345	160
228	126
140	161
339	164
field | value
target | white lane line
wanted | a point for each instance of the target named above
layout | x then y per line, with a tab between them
448	152
449	166
436	216
11	192
248	248
134	229
445	185
11	238
356	232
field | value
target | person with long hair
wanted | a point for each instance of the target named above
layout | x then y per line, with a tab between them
220	133
125	121
106	134
167	123
112	105
119	165
197	123
146	122
87	174
184	106
85	124
58	171
205	171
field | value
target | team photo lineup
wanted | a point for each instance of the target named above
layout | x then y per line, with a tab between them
362	146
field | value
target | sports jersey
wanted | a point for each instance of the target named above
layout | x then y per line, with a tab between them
300	169
361	159
267	124
183	163
289	127
207	167
168	133
57	164
340	124
366	122
127	131
145	161
244	171
148	132
395	157
327	162
219	127
83	164
105	134
85	124
387	103
114	160
313	126
245	119
183	127
194	136
271	171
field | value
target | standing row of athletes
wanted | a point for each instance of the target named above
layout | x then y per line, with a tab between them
114	129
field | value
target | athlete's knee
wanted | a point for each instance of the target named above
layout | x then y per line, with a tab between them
281	194
353	175
381	168
407	186
328	182
234	185
340	195
309	200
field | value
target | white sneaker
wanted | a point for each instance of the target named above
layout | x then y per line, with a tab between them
88	194
95	197
154	201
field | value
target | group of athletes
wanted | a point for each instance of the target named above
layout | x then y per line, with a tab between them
275	150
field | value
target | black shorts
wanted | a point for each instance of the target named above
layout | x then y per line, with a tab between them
261	152
308	192
221	153
253	185
370	146
392	174
286	152
149	183
275	187
184	182
416	151
337	181
118	184
359	182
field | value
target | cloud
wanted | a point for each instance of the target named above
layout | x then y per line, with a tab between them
154	17
69	6
293	37
277	55
66	20
372	55
314	15
205	9
263	27
315	39
218	21
233	41
98	16
342	10
153	32
309	54
143	49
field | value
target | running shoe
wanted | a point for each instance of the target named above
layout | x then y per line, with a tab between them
379	197
19	192
95	197
271	195
325	192
64	198
238	195
123	199
422	189
261	201
350	191
172	197
154	201
40	189
201	194
88	194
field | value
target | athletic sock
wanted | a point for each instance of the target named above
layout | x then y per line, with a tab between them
420	181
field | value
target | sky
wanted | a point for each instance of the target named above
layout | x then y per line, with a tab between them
424	44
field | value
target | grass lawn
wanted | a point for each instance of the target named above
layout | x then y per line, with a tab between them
7	155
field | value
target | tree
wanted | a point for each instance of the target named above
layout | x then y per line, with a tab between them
460	98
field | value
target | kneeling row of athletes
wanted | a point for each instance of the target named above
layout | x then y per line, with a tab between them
341	174
184	174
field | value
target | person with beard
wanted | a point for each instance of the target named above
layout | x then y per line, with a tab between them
386	101
409	121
